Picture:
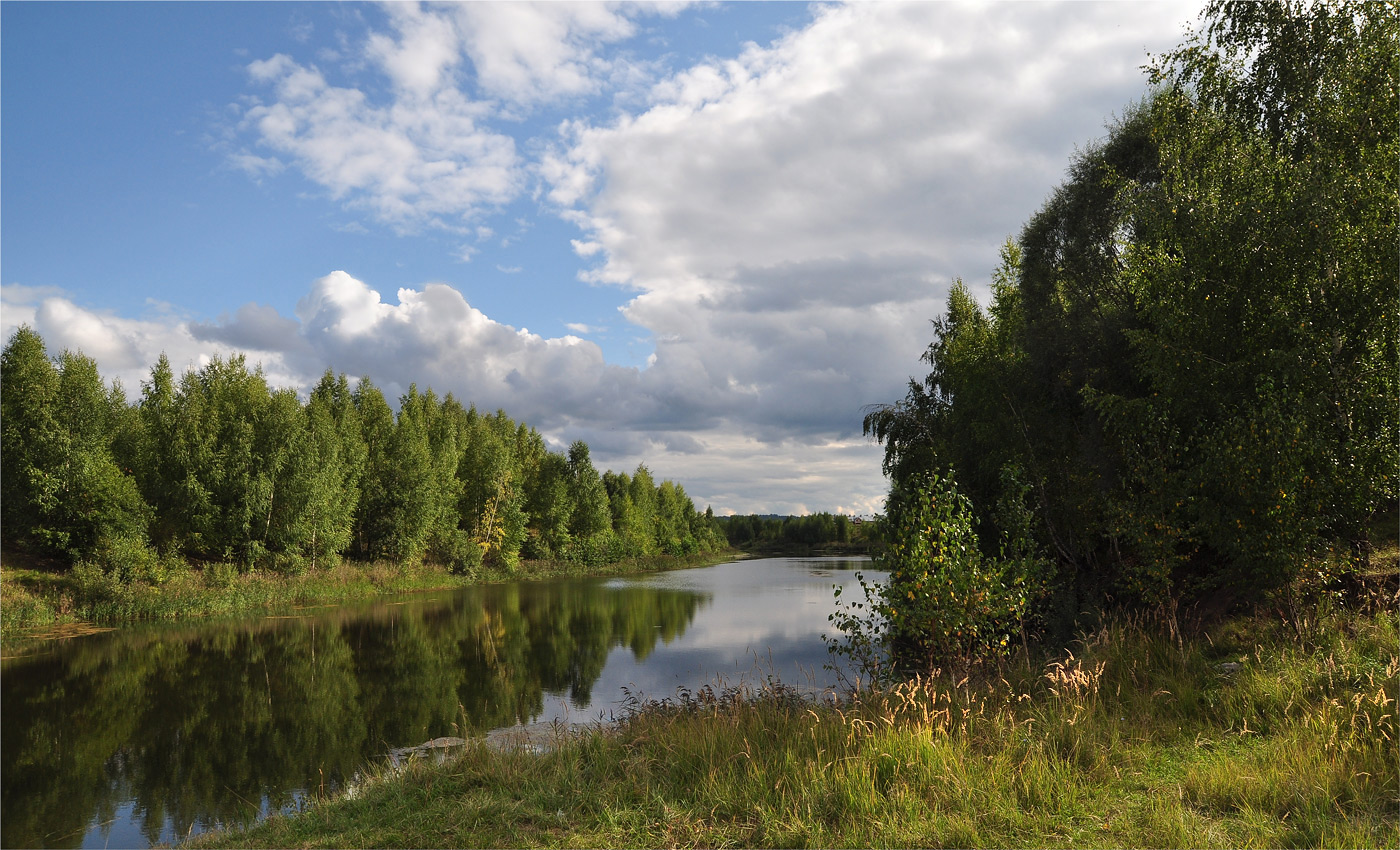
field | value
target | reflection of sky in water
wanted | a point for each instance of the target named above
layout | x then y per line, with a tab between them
122	830
760	618
764	618
354	681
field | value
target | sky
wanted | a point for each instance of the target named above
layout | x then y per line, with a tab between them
703	237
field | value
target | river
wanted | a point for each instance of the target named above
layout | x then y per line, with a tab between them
147	735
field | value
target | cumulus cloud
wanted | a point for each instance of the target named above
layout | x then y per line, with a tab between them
794	216
907	128
126	348
531	52
433	337
425	158
253	327
425	154
785	222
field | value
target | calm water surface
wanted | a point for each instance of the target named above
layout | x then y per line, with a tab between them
140	736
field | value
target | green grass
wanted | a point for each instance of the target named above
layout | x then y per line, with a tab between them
38	600
1136	739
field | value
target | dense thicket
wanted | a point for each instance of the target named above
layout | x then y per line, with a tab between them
1186	379
218	466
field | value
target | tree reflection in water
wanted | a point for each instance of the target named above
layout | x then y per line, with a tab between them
177	730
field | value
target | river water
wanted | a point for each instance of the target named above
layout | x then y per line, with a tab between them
148	735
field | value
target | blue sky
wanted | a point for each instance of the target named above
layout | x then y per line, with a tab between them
698	236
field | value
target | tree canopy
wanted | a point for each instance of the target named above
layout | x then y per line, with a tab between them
1187	372
215	465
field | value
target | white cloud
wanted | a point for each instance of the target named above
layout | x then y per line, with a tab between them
126	348
256	167
509	269
793	217
787	220
254	327
905	128
531	52
425	51
433	337
425	154
424	159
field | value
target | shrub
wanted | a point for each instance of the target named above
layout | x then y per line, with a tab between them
131	560
944	603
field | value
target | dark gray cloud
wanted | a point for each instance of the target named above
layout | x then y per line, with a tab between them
253	326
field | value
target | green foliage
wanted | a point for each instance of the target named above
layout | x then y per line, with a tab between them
944	604
591	514
217	466
640	522
29	433
372	515
129	560
792	533
328	480
1270	328
1191	348
63	489
550	507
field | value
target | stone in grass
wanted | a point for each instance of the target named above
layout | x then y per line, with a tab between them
438	747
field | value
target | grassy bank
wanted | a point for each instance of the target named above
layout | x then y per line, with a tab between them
38	600
1255	733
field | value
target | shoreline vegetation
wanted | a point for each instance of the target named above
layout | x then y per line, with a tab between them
216	494
1255	731
41	601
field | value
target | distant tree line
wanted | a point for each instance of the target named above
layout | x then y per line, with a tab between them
1185	383
796	532
218	466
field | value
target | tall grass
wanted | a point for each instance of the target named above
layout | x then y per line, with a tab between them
1134	738
33	601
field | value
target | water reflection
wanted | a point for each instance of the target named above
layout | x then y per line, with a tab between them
136	737
166	732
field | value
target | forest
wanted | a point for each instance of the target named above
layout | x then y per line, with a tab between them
820	532
214	466
1183	391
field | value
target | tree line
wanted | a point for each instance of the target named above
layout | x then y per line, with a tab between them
800	532
1185	382
218	466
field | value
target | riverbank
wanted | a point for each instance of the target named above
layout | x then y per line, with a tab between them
41	601
783	549
1257	732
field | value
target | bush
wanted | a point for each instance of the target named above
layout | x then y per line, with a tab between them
130	560
220	575
457	551
944	603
